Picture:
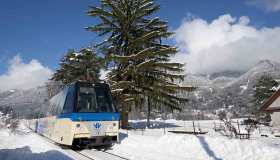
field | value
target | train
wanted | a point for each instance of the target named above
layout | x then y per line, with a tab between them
82	114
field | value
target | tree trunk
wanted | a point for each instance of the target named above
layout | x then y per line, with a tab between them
124	118
149	112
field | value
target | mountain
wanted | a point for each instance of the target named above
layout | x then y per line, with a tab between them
28	103
229	74
263	67
230	90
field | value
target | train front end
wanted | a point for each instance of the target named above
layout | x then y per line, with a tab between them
95	120
95	129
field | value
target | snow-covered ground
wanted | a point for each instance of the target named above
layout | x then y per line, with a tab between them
26	145
175	146
151	144
155	144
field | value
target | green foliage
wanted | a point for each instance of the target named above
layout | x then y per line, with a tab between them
133	48
82	65
263	90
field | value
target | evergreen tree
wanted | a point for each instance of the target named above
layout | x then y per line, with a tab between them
82	65
141	70
263	90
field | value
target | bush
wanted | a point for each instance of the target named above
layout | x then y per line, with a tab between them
222	114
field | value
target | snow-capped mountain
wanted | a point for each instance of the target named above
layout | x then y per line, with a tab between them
229	88
28	103
263	67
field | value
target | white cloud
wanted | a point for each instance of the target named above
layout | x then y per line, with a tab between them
22	75
268	5
226	43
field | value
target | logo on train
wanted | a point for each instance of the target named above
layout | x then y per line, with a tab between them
97	125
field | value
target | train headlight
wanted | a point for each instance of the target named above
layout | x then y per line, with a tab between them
114	124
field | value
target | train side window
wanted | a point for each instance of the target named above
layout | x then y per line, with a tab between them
55	106
69	102
59	103
52	106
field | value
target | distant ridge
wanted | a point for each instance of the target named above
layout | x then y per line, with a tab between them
231	90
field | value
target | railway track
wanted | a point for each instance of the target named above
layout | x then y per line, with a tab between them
85	154
89	154
99	155
78	155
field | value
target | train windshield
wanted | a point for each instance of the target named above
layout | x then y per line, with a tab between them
94	99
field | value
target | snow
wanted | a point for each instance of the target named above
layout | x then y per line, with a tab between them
27	145
243	87
230	106
153	144
173	146
104	74
150	144
76	54
275	88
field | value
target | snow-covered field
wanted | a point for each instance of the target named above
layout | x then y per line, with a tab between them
151	144
154	144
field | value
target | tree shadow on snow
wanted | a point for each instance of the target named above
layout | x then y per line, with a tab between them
153	125
26	154
207	149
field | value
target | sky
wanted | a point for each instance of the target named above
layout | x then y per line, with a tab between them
36	34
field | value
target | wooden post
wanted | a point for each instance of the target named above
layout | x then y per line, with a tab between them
127	132
238	126
149	112
164	127
215	126
193	128
238	129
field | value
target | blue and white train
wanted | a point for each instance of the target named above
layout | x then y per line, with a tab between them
81	114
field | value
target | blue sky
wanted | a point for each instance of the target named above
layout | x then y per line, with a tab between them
45	30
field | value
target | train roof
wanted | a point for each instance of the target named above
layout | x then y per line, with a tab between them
80	82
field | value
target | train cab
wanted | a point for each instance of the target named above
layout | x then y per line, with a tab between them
81	114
